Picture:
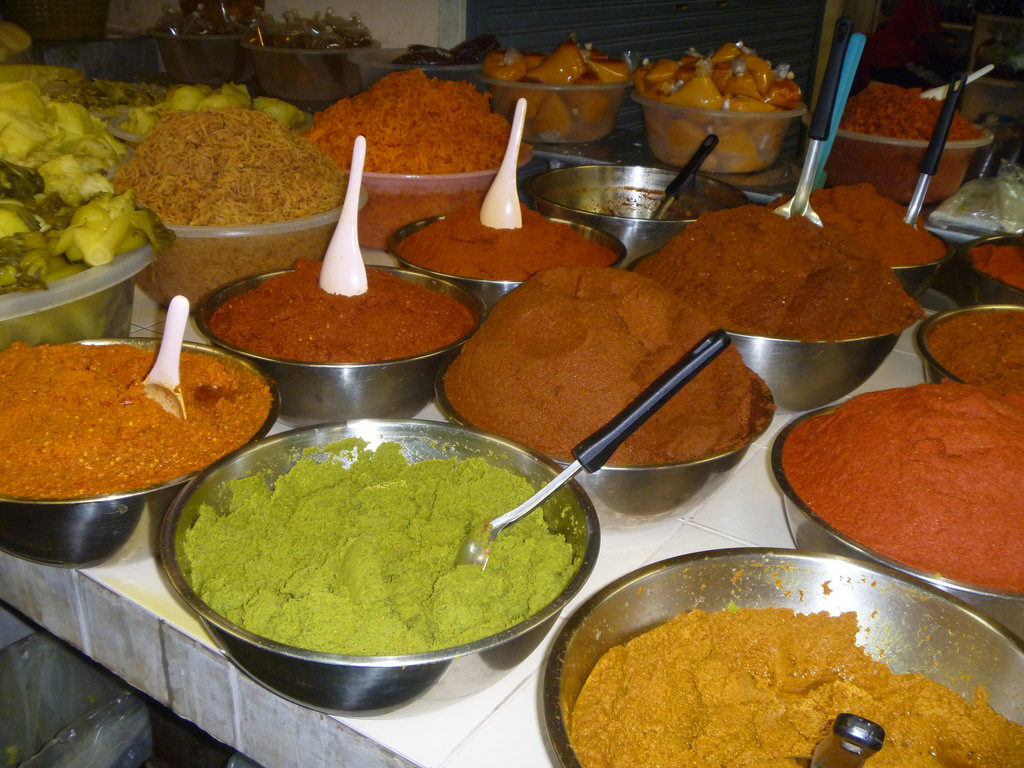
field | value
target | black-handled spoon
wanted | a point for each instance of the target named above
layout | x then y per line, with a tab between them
692	166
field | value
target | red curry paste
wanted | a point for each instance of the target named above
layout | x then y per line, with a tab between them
984	347
753	271
1004	262
290	317
931	476
569	348
460	245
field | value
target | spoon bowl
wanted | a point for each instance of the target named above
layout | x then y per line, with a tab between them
163	382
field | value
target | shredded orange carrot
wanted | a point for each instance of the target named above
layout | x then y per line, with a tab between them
414	124
230	166
900	113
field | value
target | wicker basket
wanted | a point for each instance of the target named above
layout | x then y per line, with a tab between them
61	19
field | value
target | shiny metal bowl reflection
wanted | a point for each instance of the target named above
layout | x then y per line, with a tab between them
91	529
804	375
935	370
635	494
984	288
906	623
917	278
811	532
317	393
491	291
620	199
340	683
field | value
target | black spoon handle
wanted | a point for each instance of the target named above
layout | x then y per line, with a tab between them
932	155
821	122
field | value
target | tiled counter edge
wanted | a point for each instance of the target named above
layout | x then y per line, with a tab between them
193	679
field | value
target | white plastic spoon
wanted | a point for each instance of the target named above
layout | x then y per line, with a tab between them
163	382
939	92
343	271
500	209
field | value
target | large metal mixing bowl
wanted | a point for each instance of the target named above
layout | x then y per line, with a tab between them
811	532
984	288
317	393
88	530
339	683
804	375
491	291
635	494
934	368
904	622
620	199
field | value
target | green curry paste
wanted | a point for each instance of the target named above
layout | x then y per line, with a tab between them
357	557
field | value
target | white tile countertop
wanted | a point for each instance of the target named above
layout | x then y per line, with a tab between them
126	616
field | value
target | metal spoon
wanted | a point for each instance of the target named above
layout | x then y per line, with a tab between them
500	208
932	155
343	271
854	739
800	203
692	166
163	383
592	453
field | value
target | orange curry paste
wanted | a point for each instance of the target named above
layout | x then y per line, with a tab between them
1004	262
460	245
75	421
761	687
984	348
931	476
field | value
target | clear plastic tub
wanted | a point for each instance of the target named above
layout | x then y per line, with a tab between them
894	165
204	258
747	141
93	304
560	114
373	64
211	59
305	75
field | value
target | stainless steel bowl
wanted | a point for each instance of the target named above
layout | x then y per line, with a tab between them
620	199
804	375
628	495
491	291
984	288
917	279
340	683
934	370
904	622
90	529
812	533
316	393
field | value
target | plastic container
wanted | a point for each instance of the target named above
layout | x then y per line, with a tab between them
747	141
59	711
204	258
93	304
374	63
305	75
395	200
894	165
560	114
130	138
211	59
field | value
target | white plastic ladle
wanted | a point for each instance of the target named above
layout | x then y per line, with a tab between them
343	271
163	382
500	209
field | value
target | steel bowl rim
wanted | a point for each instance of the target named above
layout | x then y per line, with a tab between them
213	302
925	329
172	569
272	413
933	264
874	337
399	235
963	251
942	583
551	705
449	412
531	185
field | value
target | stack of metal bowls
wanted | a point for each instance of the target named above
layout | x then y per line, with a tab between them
340	683
904	622
89	530
316	393
620	200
